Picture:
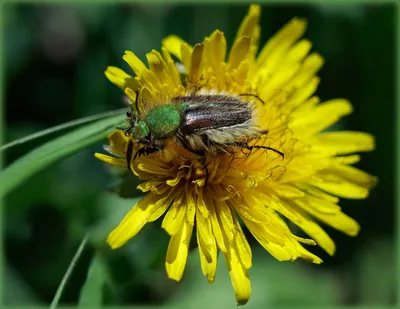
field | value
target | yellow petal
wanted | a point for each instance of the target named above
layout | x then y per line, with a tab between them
289	33
274	86
150	185
340	187
118	142
225	219
344	142
197	63
243	247
302	94
274	245
134	62
131	94
133	222
304	108
207	247
308	69
251	208
299	50
201	204
186	53
306	241
205	231
345	181
287	191
153	168
190	206
239	52
173	44
301	251
117	76
173	71
215	50
319	204
337	219
241	72
110	160
322	117
351	159
314	192
277	239
239	276
354	175
162	205
151	81
178	251
266	234
175	181
174	217
249	25
302	220
161	70
216	227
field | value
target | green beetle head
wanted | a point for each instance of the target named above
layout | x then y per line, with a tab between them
141	132
160	123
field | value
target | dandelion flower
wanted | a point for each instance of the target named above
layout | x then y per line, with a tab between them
260	189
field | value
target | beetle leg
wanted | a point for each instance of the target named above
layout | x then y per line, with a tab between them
203	162
146	151
247	146
142	151
129	153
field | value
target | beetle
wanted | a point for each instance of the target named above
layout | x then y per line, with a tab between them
204	124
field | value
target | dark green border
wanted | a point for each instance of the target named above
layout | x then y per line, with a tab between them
396	137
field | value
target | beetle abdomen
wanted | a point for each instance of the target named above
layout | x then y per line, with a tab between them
207	112
215	121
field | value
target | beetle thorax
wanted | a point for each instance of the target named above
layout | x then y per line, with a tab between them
141	131
163	121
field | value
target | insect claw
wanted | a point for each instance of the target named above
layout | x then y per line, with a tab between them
127	132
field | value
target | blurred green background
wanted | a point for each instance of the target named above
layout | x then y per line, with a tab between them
55	56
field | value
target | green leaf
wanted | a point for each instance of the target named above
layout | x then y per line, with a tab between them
18	292
68	273
376	272
60	127
50	152
92	291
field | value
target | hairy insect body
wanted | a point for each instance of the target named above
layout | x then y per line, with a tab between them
202	123
205	124
219	124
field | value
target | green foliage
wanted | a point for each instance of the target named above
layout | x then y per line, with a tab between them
377	266
54	150
92	291
55	59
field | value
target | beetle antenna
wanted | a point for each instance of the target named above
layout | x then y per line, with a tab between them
251	95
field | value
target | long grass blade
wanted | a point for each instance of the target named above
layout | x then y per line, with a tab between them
68	273
48	153
62	126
